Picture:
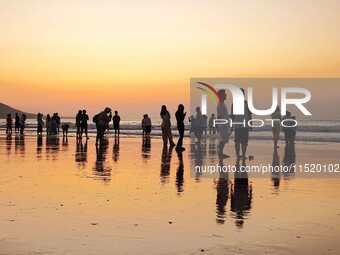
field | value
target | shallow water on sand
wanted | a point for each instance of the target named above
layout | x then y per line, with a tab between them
63	197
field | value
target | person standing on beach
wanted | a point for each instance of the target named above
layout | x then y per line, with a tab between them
16	123
40	124
212	129
84	126
22	122
276	126
78	123
180	116
198	125
143	124
103	120
9	123
54	124
146	125
241	126
116	121
222	113
58	121
48	124
166	127
205	124
64	128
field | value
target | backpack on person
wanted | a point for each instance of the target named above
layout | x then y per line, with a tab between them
95	118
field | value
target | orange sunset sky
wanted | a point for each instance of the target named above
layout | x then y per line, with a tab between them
134	56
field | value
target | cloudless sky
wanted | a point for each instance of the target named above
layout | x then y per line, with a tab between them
134	56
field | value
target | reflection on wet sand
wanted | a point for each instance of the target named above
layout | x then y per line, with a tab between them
289	160
8	144
81	152
275	174
52	147
180	173
146	147
222	190
39	147
102	168
165	164
20	145
65	143
241	196
115	154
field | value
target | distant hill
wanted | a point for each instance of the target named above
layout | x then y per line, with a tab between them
5	109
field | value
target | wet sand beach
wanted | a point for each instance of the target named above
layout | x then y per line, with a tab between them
58	196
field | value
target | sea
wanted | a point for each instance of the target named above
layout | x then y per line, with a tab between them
324	131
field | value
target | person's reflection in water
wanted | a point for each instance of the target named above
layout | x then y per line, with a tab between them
276	165
180	173
212	146
52	147
39	147
65	142
8	144
101	168
289	160
165	163
20	144
241	196
222	188
81	152
116	148
198	158
146	146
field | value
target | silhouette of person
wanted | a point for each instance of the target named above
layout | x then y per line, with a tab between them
192	124
65	127
180	116
16	123
198	124
276	115
204	124
22	122
241	126
48	124
83	124
9	123
146	125
54	130
212	129
104	119
40	124
241	196
166	127
58	121
116	123
78	123
222	113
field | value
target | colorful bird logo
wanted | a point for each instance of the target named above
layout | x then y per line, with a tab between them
211	92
